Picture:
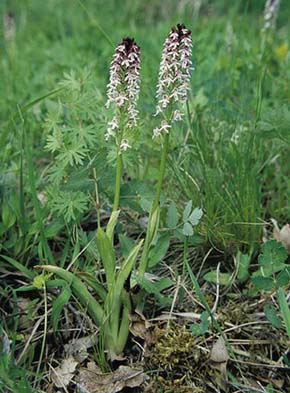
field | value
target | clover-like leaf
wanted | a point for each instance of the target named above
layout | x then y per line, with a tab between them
187	229
272	257
195	216
172	216
186	211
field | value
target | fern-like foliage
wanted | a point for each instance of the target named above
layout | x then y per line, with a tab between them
75	126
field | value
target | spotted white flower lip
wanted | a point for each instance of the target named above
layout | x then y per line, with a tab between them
174	75
270	14
124	85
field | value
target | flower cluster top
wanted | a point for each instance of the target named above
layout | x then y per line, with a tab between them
174	76
124	85
271	13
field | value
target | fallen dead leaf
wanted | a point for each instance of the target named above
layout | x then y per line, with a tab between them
139	324
78	348
92	380
63	374
219	356
219	352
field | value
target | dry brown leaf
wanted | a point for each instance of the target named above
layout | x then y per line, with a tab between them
63	374
92	380
78	348
219	352
219	357
139	324
285	237
282	235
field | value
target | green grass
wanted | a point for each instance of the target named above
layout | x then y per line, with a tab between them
230	156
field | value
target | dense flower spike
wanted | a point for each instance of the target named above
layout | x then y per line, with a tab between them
174	74
124	85
271	13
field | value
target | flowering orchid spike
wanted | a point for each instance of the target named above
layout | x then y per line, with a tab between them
124	85
174	76
270	14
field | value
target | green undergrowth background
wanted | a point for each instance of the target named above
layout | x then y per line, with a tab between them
228	157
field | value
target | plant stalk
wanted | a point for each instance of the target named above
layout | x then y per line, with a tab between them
119	169
44	331
148	239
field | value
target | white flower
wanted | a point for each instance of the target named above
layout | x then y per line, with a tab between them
124	145
174	73
124	84
164	127
177	115
174	76
113	124
270	14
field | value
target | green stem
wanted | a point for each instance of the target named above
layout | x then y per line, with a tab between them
161	172
44	331
260	94
185	255
148	239
98	206
119	169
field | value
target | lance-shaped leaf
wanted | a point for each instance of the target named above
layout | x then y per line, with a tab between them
111	224
126	269
106	251
153	224
115	296
80	291
58	305
94	283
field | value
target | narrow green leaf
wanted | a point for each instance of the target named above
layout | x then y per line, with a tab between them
284	308
106	251
272	316
126	269
64	254
112	224
80	291
19	266
153	224
94	283
58	305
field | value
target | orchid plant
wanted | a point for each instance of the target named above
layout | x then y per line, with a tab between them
172	88
111	310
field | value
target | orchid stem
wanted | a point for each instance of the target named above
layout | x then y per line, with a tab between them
148	239
119	169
